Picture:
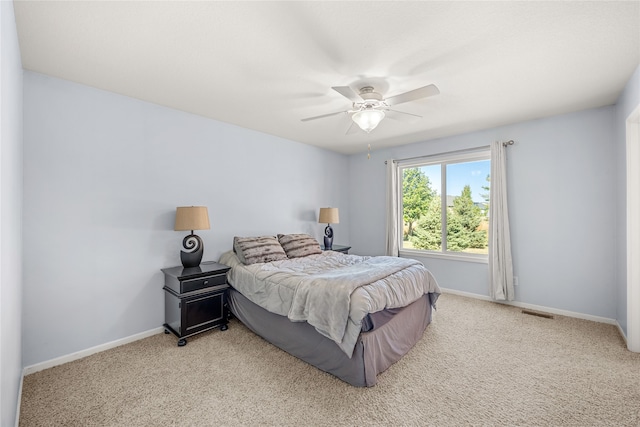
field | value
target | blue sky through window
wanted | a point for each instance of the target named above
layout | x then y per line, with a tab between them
461	174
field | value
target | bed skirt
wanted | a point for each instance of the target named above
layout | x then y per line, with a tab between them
375	350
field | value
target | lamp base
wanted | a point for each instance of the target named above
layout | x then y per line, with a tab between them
328	243
194	257
328	237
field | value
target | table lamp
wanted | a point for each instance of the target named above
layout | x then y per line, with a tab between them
328	216
191	218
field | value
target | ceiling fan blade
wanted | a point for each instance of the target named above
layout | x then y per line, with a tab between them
323	116
413	95
402	116
347	92
353	128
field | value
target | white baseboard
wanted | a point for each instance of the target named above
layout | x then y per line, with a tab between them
622	334
534	307
88	352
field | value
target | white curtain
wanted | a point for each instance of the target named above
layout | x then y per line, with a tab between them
393	206
500	261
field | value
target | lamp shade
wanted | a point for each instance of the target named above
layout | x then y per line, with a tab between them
368	119
329	216
192	218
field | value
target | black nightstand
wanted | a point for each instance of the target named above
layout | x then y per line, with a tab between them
195	299
338	248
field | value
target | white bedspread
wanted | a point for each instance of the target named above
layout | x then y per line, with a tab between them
331	291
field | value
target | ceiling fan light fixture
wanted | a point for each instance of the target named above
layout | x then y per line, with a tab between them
368	119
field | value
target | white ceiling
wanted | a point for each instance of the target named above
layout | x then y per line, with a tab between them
266	65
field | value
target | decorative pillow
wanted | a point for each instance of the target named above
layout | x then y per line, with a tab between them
299	245
251	250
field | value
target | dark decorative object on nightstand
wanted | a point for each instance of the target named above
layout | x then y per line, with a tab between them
195	299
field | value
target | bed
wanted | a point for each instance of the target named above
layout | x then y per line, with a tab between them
348	315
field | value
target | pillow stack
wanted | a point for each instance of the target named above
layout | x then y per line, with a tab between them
252	250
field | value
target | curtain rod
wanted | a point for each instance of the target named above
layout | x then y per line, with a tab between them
504	144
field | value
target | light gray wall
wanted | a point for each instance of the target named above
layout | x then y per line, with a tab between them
562	187
627	102
10	215
102	178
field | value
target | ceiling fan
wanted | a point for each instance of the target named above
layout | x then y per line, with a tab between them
369	107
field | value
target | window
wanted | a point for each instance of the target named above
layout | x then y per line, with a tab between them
445	204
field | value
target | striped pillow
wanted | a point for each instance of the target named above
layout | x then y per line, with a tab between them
299	245
252	250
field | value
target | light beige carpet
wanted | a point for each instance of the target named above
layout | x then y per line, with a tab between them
479	363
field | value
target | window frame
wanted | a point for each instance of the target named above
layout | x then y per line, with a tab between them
442	159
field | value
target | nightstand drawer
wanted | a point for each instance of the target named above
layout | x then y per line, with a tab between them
185	280
206	282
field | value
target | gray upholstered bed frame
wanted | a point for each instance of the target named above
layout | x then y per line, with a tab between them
375	351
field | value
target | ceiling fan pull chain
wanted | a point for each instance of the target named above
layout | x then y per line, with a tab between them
368	151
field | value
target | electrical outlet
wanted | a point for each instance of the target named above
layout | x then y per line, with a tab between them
515	281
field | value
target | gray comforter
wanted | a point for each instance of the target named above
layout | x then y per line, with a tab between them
331	291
